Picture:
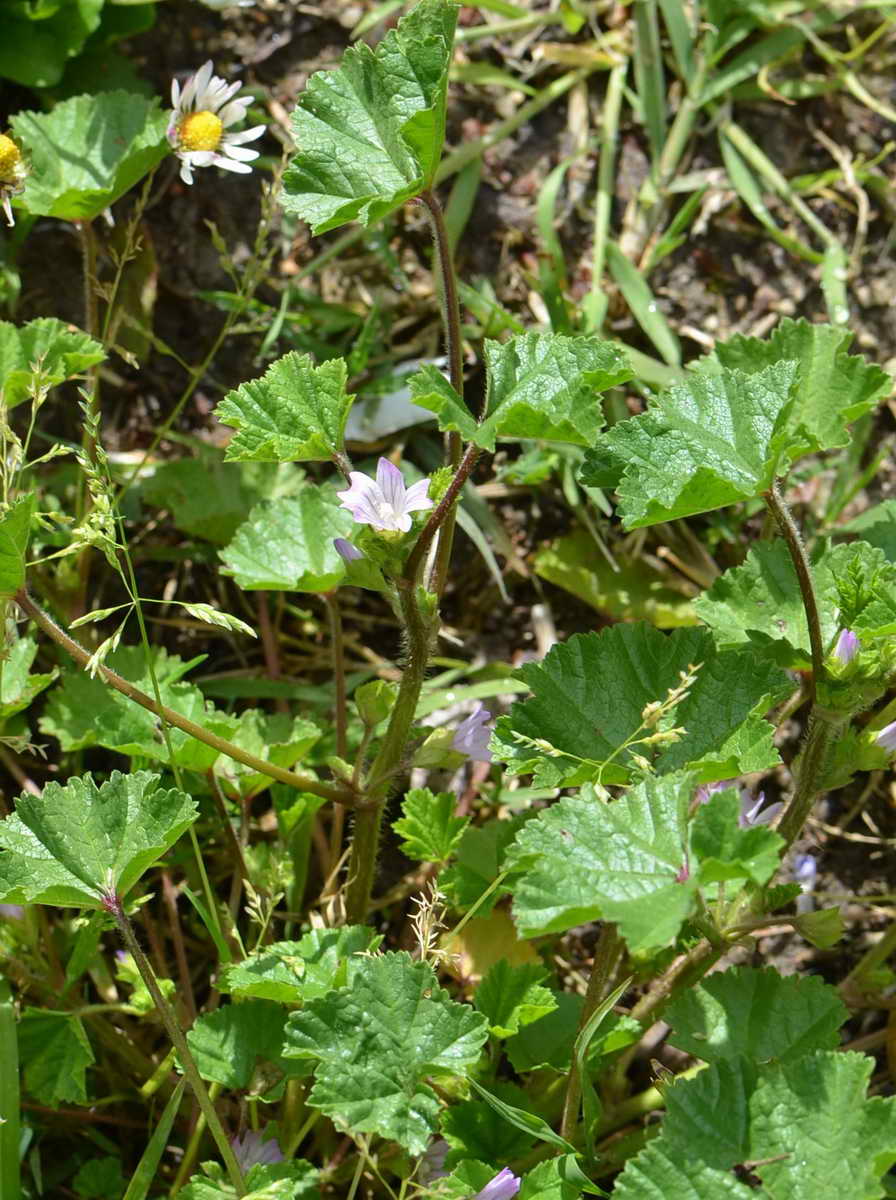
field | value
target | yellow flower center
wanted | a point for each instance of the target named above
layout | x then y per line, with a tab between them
10	157
201	131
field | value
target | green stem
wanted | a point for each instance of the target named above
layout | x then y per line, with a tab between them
440	513
338	793
606	955
808	768
371	805
113	905
10	1130
337	648
454	342
789	531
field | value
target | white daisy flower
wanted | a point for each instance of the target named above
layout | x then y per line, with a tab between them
12	174
202	112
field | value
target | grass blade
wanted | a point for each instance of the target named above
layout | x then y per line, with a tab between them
152	1155
10	1130
643	305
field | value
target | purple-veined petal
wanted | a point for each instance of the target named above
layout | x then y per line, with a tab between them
472	735
417	497
886	737
847	646
504	1185
346	550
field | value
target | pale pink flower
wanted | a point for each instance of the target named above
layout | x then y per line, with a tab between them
847	646
385	503
504	1185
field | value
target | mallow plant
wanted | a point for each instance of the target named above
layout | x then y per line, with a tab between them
645	790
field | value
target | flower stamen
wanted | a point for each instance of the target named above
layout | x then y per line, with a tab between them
201	131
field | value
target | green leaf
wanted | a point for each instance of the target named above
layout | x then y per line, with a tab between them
295	412
813	1112
294	1180
661	1173
511	997
877	526
273	973
88	151
276	737
430	829
82	711
230	1043
548	1042
99	1179
375	1043
760	603
707	442
589	695
473	1129
207	497
756	1013
480	859
17	687
57	350
539	385
585	859
15	530
370	133
287	544
291	972
638	591
34	49
55	1054
724	850
833	387
72	845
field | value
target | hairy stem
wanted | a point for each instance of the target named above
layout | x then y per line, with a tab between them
606	956
808	768
440	513
339	793
371	804
337	649
791	534
113	905
454	344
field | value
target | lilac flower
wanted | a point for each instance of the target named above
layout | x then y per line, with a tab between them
346	550
886	737
805	872
385	503
750	814
847	646
504	1185
252	1149
472	735
705	790
12	912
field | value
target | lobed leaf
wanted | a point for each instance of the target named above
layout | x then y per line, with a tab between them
756	1013
539	385
833	387
44	350
759	603
511	997
375	1042
15	533
584	859
234	1041
296	412
287	544
292	972
430	830
55	1054
74	844
87	151
370	133
589	695
709	441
